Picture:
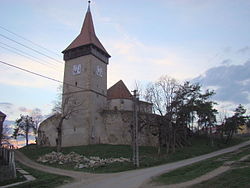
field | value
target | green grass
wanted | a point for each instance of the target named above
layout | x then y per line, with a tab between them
148	155
19	178
43	180
245	151
233	178
187	173
198	169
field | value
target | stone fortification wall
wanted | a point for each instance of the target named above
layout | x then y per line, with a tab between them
120	104
118	125
47	133
116	129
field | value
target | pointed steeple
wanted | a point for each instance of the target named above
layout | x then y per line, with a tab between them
87	35
89	6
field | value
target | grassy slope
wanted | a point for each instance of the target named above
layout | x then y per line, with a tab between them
148	155
233	178
192	171
187	173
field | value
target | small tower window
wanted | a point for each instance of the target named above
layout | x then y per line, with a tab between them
75	83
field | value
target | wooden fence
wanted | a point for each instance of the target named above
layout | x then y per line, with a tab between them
7	164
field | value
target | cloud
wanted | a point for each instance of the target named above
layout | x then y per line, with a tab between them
137	58
226	62
25	110
231	83
244	50
16	77
13	111
143	61
6	105
7	108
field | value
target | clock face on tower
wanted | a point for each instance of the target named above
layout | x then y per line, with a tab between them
76	69
99	71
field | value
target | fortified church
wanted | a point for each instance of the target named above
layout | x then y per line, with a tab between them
103	115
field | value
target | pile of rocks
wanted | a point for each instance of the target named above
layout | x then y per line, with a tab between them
79	161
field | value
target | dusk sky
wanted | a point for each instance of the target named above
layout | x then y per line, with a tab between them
202	40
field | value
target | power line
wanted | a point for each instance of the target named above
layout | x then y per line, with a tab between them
22	55
30	48
40	75
40	46
27	55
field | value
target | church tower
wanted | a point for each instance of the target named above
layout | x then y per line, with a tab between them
85	81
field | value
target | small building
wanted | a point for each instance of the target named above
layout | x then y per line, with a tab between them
243	129
2	118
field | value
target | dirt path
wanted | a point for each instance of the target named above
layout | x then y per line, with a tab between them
128	179
77	176
216	172
197	180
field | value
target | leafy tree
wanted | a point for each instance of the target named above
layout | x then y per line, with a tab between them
190	104
178	106
23	128
233	123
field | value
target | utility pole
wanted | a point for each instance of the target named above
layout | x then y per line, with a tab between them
135	129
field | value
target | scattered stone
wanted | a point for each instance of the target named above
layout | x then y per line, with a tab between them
79	161
81	166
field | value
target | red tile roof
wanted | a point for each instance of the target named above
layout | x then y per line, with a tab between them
118	91
87	35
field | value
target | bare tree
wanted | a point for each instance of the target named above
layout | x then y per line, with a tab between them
68	107
161	94
37	117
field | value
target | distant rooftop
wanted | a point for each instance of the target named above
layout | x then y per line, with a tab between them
119	91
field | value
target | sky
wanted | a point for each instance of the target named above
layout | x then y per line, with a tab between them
206	41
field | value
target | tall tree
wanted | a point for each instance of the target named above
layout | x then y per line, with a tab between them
24	126
178	106
161	94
